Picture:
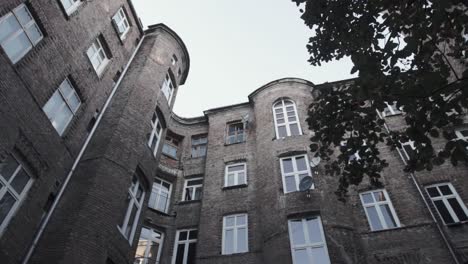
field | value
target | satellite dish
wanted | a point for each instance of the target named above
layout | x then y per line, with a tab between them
306	183
315	162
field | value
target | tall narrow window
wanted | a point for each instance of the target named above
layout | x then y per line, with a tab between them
155	134
14	185
135	198
160	195
97	55
199	143
70	6
307	241
235	132
192	189
293	170
408	149
286	119
149	247
121	23
379	210
235	234
168	88
171	145
62	106
448	203
235	174
18	33
185	246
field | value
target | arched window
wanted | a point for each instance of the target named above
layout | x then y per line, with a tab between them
286	119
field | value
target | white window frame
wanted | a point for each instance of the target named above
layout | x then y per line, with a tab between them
97	47
236	134
65	103
193	188
151	241
168	88
286	123
376	204
391	110
154	134
158	195
19	197
73	7
459	135
236	174
408	143
22	29
120	18
295	173
308	246
186	244
198	146
132	192
444	198
235	227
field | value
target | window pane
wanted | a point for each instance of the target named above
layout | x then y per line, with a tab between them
191	253
231	178
230	221
20	180
229	242
282	131
241	220
180	254
198	193
236	168
379	196
194	182
458	209
374	218
162	204
8	26
313	226
131	220
294	129
153	252
6	203
290	184
53	105
62	119
16	47
319	255
242	240
444	212
297	233
387	214
183	235
34	33
287	165
433	192
23	15
301	163
241	178
367	198
193	234
445	190
301	257
140	251
8	167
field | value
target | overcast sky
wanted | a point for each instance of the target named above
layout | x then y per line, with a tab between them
236	46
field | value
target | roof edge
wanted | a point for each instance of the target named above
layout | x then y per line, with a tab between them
222	108
278	81
188	120
152	28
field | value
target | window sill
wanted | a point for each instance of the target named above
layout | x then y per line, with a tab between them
170	157
235	254
189	202
158	212
285	138
457	224
235	186
235	143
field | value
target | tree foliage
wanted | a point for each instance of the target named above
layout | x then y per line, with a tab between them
414	53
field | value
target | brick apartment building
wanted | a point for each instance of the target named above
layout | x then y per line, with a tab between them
96	168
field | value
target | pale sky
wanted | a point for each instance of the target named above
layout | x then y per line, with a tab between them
236	46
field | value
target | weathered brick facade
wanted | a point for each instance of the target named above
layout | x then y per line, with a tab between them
83	226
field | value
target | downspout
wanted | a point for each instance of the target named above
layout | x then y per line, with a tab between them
44	223
439	227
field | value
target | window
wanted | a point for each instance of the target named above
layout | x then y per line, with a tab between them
155	134
14	184
70	6
408	149
62	106
235	133
97	55
149	247
185	246
448	203
121	23
192	189
379	210
462	133
199	143
160	195
168	88
286	119
293	170
307	241
135	198
235	174
391	109
171	145
235	234
18	33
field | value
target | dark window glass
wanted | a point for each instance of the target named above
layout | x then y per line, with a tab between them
433	192
444	212
191	253
458	209
180	254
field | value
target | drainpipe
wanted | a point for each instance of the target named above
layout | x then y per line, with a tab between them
44	223
439	226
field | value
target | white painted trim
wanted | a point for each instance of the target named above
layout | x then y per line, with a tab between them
192	186
235	228
376	205
236	174
168	202
286	123
186	244
295	172
444	198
